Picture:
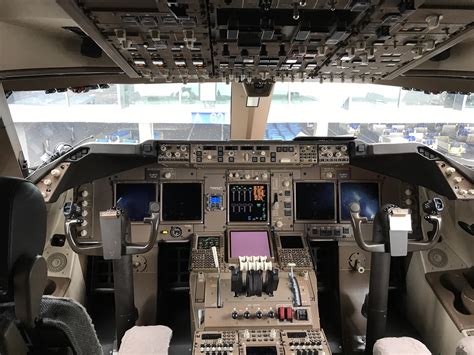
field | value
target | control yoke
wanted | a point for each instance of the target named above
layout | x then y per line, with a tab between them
115	230
395	222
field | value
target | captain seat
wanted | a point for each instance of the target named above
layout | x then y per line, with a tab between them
29	321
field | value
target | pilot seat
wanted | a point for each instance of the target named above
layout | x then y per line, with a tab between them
29	321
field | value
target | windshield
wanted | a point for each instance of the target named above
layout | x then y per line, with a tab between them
202	111
124	114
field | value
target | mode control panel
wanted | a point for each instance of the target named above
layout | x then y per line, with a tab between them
244	154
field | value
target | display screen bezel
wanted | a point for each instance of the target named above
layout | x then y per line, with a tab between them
201	220
356	182
134	182
278	237
229	222
295	202
228	242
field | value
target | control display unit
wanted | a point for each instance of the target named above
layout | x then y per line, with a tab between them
208	242
248	203
364	193
315	201
181	201
135	198
249	243
291	242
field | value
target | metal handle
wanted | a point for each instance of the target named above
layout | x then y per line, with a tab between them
357	222
433	235
83	248
140	248
95	248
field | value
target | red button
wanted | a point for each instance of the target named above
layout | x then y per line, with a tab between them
281	313
289	314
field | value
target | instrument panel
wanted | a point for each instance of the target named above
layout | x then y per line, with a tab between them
302	191
248	213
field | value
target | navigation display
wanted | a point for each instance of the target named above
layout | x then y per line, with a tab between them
365	193
249	243
135	198
315	201
248	203
181	202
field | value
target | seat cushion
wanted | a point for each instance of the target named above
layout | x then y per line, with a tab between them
397	346
151	339
465	346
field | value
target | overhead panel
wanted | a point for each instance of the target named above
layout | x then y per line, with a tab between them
225	40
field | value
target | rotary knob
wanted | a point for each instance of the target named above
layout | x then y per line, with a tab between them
209	157
177	154
457	179
450	171
84	193
328	175
163	148
247	176
264	176
183	148
167	175
83	233
286	183
56	173
279	224
47	182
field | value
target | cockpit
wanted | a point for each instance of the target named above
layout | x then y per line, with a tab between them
236	178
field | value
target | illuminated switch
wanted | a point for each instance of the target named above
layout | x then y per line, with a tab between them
289	314
281	313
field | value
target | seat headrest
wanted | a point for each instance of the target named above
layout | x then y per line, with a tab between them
22	227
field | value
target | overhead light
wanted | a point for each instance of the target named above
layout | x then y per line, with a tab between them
253	101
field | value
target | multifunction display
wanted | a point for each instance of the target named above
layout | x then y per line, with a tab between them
366	194
181	201
316	201
248	203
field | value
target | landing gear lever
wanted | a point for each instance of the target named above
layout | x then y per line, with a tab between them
390	238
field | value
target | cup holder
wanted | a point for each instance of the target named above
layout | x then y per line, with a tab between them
461	290
50	287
